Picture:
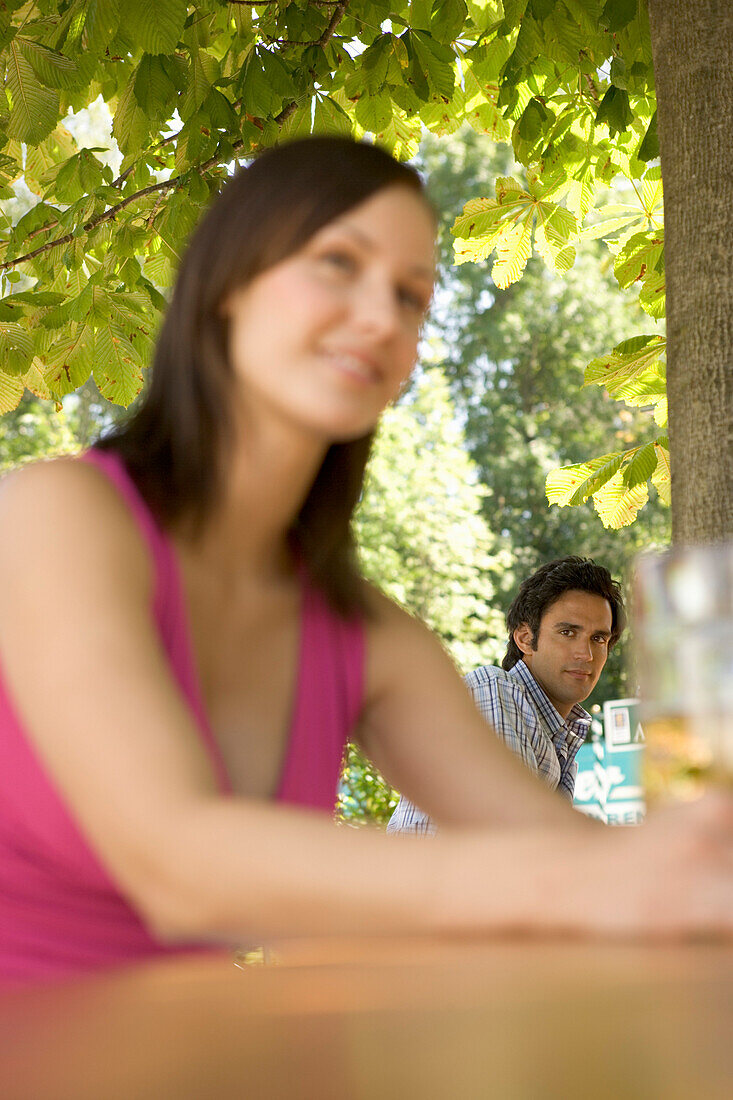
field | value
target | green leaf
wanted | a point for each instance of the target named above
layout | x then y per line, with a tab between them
297	125
16	348
102	19
27	302
33	108
476	229
638	256
512	253
445	118
487	61
177	220
161	264
43	160
641	466
531	131
130	126
566	41
371	73
648	389
69	359
652	294
507	226
329	118
527	48
615	111
617	505
610	225
155	27
540	9
651	192
11	391
662	476
617	14
618	73
436	61
264	84
649	147
154	88
447	19
374	112
627	362
513	12
51	67
570	485
81	175
202	74
402	136
221	112
117	365
555	227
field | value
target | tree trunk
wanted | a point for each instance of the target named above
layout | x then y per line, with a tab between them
692	43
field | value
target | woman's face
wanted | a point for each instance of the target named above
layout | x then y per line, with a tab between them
325	339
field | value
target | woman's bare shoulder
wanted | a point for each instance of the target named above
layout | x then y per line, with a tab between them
62	479
64	508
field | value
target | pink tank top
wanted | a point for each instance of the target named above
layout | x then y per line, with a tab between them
60	912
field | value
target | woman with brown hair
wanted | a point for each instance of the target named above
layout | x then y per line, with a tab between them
186	642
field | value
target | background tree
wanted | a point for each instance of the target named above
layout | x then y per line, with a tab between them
693	59
424	542
37	429
422	537
515	358
195	86
33	431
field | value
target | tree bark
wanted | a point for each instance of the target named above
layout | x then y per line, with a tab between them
692	44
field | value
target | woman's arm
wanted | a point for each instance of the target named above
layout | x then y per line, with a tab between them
422	729
84	665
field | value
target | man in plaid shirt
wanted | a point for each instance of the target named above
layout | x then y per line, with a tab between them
562	624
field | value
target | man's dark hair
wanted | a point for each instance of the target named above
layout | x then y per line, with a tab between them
548	584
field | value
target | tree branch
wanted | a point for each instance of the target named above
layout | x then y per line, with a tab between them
266	3
107	215
167	185
336	18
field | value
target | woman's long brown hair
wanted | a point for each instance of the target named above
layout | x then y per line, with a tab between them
176	441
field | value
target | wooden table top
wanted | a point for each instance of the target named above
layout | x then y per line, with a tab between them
372	1020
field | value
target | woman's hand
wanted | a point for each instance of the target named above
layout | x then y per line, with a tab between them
672	875
669	878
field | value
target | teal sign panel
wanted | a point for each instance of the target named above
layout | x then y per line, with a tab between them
609	782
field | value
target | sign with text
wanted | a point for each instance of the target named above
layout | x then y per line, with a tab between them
608	785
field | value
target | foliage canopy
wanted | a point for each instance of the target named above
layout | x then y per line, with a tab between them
195	87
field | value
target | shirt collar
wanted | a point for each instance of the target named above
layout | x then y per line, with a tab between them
578	720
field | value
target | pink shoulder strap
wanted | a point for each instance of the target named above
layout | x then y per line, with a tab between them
168	605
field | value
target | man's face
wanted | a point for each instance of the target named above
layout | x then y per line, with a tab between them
572	647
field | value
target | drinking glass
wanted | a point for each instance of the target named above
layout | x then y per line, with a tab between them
683	627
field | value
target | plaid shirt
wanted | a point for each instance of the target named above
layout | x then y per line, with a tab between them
528	724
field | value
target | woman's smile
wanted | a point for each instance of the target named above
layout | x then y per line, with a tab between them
356	366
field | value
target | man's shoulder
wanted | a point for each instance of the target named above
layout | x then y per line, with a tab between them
493	677
485	672
500	685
